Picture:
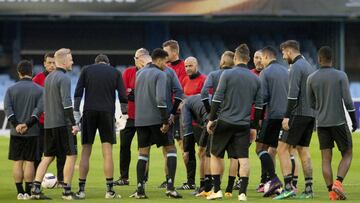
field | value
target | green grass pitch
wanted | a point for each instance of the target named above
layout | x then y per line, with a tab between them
95	187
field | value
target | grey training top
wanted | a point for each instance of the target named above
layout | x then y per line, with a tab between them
24	100
238	90
173	88
57	98
212	81
193	109
275	83
327	91
150	95
299	72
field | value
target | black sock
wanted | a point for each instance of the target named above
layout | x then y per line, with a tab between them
109	184
67	188
141	170
329	187
295	181
171	164
167	178
341	179
230	184
202	182
208	183
287	182
19	188
28	186
217	183
267	163
264	176
292	158
308	185
82	183
36	187
244	181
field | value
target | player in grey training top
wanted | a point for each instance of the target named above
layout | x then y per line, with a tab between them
212	80
327	91
59	120
302	121
274	83
151	120
23	106
237	91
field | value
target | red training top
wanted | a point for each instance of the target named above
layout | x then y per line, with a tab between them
179	68
40	80
129	77
193	86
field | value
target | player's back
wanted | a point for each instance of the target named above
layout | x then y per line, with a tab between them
330	89
150	95
275	85
238	88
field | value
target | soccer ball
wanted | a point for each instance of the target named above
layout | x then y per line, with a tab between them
49	181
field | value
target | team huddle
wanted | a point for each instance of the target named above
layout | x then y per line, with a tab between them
163	99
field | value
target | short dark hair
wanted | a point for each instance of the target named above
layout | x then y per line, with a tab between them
102	58
25	67
269	50
173	44
158	53
293	44
48	55
325	54
243	52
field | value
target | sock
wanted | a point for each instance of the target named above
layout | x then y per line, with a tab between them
329	187
264	177
36	187
109	184
244	181
82	183
267	163
171	164
292	158
67	188
308	185
216	183
295	181
341	179
230	185
287	182
167	178
202	182
208	183
140	169
19	188
28	186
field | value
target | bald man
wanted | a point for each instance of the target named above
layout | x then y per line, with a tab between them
192	85
60	127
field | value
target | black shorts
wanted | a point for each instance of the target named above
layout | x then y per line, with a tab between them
199	137
234	139
270	132
300	131
23	148
339	134
58	141
98	120
149	135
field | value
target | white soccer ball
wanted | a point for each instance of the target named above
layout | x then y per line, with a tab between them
49	181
